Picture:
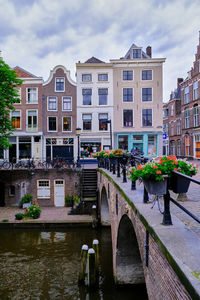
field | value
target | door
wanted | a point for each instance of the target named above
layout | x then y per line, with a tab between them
59	192
2	194
12	153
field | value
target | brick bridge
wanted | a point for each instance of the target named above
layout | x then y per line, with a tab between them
166	258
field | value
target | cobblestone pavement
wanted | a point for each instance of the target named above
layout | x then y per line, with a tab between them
192	204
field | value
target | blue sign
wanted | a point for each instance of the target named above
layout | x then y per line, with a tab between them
164	136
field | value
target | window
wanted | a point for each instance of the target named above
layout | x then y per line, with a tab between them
146	117
24	147
166	112
187	145
87	121
87	93
127	95
172	148
128	118
127	75
31	95
11	190
178	127
195	90
32	120
102	77
18	91
187	118
66	103
86	77
196	116
186	95
52	126
172	128
103	94
52	103
103	118
123	142
152	145
179	147
60	85
165	128
146	74
1	153
146	94
43	189
67	123
137	53
172	110
16	119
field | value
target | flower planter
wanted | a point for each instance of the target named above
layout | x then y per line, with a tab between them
155	187
179	184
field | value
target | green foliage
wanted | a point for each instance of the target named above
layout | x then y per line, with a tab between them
68	200
27	198
19	216
9	82
34	212
5	220
159	168
76	199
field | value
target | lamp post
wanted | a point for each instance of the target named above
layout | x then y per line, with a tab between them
109	122
78	132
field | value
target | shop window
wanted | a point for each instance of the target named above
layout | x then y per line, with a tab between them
11	190
138	137
103	125
24	147
87	96
152	145
90	148
103	96
60	85
87	121
43	189
16	119
123	142
128	118
66	103
67	123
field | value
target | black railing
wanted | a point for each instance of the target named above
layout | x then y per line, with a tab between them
126	161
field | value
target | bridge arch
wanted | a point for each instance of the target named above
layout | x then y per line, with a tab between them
129	268
105	214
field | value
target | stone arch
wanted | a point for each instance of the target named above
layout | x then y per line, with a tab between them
105	215
129	268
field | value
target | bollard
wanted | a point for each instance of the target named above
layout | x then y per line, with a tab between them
166	214
133	185
83	263
95	245
118	167
145	196
91	268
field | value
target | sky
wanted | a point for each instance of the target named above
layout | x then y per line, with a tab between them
37	35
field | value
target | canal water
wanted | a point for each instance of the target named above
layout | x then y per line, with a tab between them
44	265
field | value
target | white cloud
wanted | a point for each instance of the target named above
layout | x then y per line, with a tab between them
39	34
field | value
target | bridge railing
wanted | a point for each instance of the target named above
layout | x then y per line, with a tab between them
125	162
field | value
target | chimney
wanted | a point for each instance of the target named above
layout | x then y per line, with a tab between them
148	51
179	80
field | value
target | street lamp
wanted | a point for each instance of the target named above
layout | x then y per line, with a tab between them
109	122
78	132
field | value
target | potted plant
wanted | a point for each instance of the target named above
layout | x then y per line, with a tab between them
155	173
26	200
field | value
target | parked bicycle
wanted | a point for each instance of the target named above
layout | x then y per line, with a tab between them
25	164
4	164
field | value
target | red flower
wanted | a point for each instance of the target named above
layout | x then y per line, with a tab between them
158	172
155	167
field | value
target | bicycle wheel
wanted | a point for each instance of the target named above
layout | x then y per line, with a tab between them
6	165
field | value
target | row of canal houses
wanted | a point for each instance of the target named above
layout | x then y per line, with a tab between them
181	123
121	98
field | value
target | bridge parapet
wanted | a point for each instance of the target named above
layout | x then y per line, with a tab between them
168	255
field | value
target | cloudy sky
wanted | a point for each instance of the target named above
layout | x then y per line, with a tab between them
39	34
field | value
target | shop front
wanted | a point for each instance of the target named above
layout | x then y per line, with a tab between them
59	148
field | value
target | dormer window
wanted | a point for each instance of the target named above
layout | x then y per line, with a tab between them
137	53
60	84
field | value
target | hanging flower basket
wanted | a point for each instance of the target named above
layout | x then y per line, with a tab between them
155	187
179	184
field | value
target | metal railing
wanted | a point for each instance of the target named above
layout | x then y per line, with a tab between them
125	162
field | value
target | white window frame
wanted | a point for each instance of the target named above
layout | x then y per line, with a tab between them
48	103
147	79
20	118
172	128
87	130
48	123
195	90
195	116
44	188
187	99
178	147
27	128
103	88
142	121
55	85
86	80
151	93
128	80
19	90
69	97
32	87
172	110
178	127
123	95
102	74
63	124
187	119
123	117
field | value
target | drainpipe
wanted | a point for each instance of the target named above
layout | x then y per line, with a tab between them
43	120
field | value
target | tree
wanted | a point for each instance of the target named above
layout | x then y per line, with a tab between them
9	82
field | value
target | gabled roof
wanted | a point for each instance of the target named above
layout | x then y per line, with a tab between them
23	73
129	54
94	60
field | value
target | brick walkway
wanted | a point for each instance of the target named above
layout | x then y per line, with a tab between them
192	204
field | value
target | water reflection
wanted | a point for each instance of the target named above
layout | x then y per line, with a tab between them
44	265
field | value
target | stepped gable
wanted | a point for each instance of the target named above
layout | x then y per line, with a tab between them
23	73
94	60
